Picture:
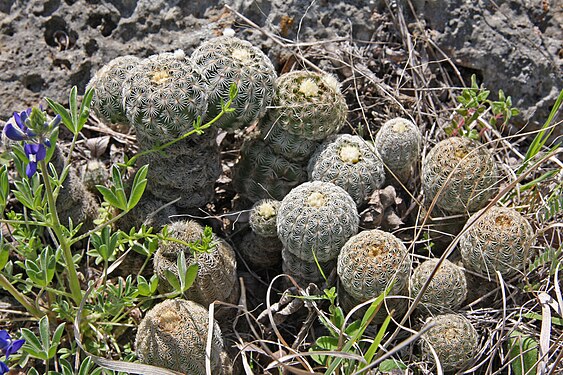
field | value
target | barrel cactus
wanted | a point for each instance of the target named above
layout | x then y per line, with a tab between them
398	142
263	217
162	97
370	261
316	217
292	147
107	102
260	173
305	272
216	278
460	175
260	252
499	240
309	105
226	60
454	339
350	162
173	335
447	289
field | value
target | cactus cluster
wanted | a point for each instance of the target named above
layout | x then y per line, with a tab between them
305	271
398	142
454	339
447	289
316	217
460	174
349	162
173	335
499	240
216	278
226	60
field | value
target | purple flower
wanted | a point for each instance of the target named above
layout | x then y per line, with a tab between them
34	152
9	346
16	128
4	369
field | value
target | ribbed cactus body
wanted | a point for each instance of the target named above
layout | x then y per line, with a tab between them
460	174
305	271
349	162
370	261
398	142
216	278
263	217
316	217
447	289
292	147
226	60
260	173
454	339
260	252
107	102
500	240
162	97
309	105
173	335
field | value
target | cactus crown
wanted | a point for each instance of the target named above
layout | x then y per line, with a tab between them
399	142
263	217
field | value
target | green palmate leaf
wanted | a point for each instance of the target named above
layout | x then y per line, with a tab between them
389	365
60	110
85	108
324	343
4	253
4	186
138	188
190	276
523	354
42	270
110	197
172	280
32	371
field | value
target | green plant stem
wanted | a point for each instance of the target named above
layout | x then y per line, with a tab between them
98	228
25	302
64	242
24	222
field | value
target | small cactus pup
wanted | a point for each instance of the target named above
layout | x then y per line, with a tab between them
370	261
500	240
398	142
309	105
447	289
350	162
226	60
173	335
460	175
263	217
454	339
216	277
316	218
107	83
163	95
260	252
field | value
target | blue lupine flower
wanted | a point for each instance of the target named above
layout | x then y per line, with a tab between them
16	128
4	369
34	152
9	346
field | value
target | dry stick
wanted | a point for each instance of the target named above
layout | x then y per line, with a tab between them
455	241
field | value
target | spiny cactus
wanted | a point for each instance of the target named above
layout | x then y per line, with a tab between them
292	147
263	217
370	261
316	217
463	173
447	289
398	142
303	271
349	162
454	339
260	252
226	60
216	278
107	101
500	240
162	97
309	105
94	173
173	335
260	173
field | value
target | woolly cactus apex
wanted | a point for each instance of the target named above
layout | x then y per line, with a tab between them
398	143
107	101
349	162
216	278
290	146
263	217
370	261
173	335
226	60
316	217
260	252
162	97
260	173
305	272
454	339
447	289
309	105
462	172
499	240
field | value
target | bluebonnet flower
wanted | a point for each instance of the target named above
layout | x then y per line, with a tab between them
9	346
4	369
31	127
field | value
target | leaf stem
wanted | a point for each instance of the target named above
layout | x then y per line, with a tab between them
25	301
